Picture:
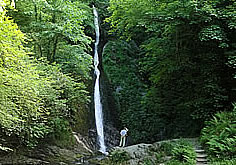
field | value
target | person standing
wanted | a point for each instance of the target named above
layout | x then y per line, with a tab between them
123	134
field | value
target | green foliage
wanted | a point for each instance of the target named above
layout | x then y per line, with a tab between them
42	96
120	65
176	162
168	146
183	48
160	157
119	156
184	153
20	103
56	30
148	162
214	32
38	98
62	133
180	151
222	162
219	135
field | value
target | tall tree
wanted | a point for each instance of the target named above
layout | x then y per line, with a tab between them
56	31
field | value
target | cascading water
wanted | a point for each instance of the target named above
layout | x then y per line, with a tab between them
97	98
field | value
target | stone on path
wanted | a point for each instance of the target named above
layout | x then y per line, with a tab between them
201	156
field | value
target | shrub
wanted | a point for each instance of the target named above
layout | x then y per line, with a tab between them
160	157
184	153
148	162
119	156
175	162
223	162
219	135
167	147
181	151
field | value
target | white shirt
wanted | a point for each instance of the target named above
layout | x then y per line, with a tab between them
123	132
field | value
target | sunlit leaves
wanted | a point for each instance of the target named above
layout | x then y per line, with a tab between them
11	40
48	23
76	13
75	61
35	93
19	84
213	32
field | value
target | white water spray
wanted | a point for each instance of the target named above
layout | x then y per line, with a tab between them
97	98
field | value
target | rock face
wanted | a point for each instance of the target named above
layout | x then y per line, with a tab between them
112	137
137	153
49	154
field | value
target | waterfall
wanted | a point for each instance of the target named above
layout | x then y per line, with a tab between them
97	98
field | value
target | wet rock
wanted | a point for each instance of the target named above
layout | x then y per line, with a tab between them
47	153
111	138
21	160
137	153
